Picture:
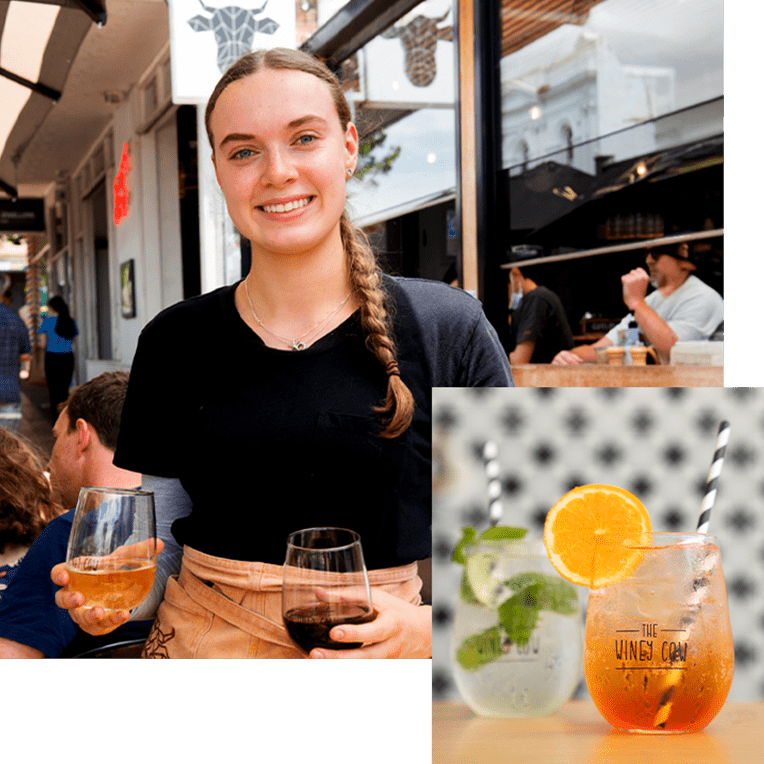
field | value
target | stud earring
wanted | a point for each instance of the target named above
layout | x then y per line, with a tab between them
349	172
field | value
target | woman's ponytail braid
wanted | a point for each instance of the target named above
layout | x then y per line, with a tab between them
366	278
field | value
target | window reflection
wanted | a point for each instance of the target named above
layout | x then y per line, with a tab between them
599	96
401	89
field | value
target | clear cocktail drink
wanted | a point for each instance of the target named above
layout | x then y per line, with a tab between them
658	644
499	673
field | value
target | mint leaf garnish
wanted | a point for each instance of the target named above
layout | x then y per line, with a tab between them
558	596
468	536
555	594
481	648
518	616
503	532
520	613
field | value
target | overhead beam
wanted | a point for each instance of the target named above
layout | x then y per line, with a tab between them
95	9
37	87
9	189
354	25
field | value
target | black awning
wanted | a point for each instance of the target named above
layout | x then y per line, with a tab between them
72	24
545	193
627	177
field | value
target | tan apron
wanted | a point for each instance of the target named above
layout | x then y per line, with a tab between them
219	608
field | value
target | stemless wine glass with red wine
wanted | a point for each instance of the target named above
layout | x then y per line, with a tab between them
325	584
111	557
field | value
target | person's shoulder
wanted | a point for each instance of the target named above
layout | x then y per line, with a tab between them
17	319
545	294
191	312
542	291
48	548
699	285
435	296
63	520
59	527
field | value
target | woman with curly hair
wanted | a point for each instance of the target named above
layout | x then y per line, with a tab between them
26	501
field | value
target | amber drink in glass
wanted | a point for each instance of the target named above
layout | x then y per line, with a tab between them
658	652
111	556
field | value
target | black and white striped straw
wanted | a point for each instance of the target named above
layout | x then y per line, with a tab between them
491	462
709	494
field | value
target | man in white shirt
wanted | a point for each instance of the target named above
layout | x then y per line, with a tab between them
681	308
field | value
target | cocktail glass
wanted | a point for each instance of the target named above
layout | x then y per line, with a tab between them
658	654
111	555
495	675
325	585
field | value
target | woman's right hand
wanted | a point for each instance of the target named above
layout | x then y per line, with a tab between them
94	620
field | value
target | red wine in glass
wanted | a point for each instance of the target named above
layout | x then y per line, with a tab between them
309	625
325	585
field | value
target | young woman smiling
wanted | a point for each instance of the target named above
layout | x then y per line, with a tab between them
299	397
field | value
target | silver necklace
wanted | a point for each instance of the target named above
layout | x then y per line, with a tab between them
296	343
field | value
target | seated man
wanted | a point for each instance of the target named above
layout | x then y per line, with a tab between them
681	308
539	327
31	624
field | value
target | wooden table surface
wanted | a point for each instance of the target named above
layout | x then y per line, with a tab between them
599	375
577	734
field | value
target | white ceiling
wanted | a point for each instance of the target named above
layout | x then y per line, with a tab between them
110	60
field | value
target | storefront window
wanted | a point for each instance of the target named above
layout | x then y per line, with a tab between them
591	85
401	90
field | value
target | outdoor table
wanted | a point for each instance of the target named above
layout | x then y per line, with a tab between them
601	375
577	734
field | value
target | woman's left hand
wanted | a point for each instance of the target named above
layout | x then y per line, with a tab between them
400	630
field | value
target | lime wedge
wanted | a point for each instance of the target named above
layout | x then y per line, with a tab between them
488	590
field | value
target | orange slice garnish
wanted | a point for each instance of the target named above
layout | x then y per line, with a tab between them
581	520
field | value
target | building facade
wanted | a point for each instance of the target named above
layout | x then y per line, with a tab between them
490	131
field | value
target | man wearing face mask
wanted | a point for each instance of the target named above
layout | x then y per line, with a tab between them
539	327
681	308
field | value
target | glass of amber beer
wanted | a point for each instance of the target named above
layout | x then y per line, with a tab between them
658	653
111	556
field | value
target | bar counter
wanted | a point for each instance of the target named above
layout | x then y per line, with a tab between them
600	375
577	734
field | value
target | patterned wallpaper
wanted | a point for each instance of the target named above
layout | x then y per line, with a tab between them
657	443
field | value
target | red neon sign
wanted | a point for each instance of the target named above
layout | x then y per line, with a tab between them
122	187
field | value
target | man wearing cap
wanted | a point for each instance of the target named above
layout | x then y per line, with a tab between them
681	308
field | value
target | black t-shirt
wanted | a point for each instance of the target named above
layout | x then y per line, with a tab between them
541	319
269	441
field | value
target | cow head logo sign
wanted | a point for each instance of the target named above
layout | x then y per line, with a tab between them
419	39
234	29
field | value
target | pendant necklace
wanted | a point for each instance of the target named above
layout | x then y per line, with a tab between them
296	343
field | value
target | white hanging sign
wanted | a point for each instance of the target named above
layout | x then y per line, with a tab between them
411	64
207	36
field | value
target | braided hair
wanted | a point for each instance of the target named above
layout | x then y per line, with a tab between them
397	410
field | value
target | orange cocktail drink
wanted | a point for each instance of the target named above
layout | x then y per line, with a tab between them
658	653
